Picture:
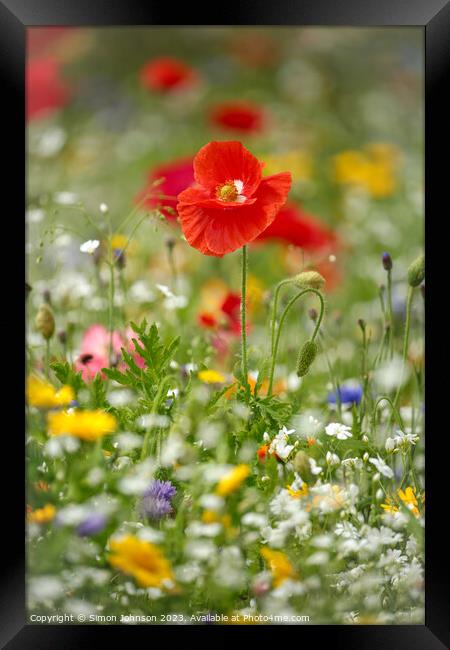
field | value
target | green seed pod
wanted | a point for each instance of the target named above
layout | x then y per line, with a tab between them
303	467
309	280
416	272
45	321
306	356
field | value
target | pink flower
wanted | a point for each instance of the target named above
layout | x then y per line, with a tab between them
95	351
94	354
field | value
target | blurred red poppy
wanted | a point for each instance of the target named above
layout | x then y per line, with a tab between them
45	90
167	73
232	203
41	39
178	175
238	116
226	318
294	226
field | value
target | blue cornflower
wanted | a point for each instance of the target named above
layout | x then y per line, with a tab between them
93	524
156	500
348	394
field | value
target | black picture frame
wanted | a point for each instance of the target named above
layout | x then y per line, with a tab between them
434	17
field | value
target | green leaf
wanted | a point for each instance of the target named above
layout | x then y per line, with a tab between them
67	375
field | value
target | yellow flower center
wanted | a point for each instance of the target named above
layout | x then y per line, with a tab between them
227	192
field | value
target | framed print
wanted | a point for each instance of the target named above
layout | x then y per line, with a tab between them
226	403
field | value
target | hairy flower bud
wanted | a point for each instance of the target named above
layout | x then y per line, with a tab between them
386	260
45	321
416	272
306	356
303	467
309	280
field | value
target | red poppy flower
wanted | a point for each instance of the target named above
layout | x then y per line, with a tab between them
166	73
238	116
45	90
178	175
232	203
226	318
293	226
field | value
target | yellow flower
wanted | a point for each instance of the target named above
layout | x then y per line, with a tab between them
233	480
119	241
142	560
408	497
42	515
255	293
373	169
42	394
279	566
211	377
211	517
87	425
298	493
298	162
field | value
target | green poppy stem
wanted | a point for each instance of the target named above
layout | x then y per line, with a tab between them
244	360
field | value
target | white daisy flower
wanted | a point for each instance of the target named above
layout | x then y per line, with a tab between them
90	246
382	467
339	431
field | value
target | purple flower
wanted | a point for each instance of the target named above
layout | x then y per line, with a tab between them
92	525
348	394
156	500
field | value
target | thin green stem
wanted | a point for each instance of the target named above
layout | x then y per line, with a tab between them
280	327
390	313
334	381
111	310
280	285
244	361
154	411
173	267
47	358
405	341
394	409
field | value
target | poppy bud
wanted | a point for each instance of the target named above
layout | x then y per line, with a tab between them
45	321
309	279
386	260
416	272
306	356
302	466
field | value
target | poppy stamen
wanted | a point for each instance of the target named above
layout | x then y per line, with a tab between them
231	191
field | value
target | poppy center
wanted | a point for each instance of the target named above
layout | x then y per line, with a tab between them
230	191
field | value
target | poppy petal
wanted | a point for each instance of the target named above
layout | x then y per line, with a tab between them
219	162
194	221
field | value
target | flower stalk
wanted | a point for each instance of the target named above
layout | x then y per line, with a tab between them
286	310
244	359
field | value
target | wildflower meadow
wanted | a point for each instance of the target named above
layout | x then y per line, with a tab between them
225	324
